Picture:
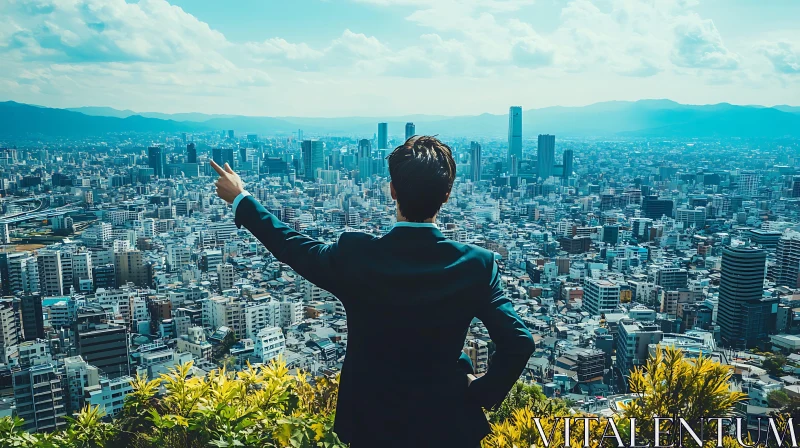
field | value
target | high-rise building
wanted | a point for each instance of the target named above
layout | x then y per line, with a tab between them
411	130
102	344
18	273
475	161
600	296
745	316
787	264
313	159
514	134
5	233
9	329
633	344
669	278
157	160
221	156
129	267
545	156
691	217
655	208
568	168
191	153
51	280
39	398
364	159
32	317
269	344
225	274
383	135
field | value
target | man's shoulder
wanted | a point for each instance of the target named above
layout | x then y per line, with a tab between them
356	238
474	250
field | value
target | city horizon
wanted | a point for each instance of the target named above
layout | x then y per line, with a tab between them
420	114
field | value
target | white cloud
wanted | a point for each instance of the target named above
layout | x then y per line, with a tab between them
109	30
699	45
66	46
783	55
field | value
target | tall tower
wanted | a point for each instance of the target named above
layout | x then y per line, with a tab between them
383	136
475	161
744	316
191	153
51	281
788	259
411	130
514	134
567	163
157	160
545	155
313	158
364	159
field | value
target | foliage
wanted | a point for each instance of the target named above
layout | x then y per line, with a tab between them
265	406
778	399
773	364
522	396
670	385
261	406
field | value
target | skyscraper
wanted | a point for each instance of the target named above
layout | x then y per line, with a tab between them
567	163
313	158
157	160
514	134
51	281
411	130
545	155
191	153
224	155
475	161
745	316
383	135
364	159
787	265
655	208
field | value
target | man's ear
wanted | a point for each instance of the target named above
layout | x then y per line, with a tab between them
394	193
446	197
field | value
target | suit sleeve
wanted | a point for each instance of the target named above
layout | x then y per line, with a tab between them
514	346
314	260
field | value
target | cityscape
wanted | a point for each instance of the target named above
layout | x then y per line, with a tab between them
634	167
119	260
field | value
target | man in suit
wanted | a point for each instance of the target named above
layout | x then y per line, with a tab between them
410	297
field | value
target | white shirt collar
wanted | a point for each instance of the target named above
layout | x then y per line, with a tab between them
416	224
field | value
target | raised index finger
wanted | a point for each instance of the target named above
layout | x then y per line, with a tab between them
218	168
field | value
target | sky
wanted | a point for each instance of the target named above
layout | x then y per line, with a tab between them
332	58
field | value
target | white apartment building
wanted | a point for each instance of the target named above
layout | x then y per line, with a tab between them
600	296
269	344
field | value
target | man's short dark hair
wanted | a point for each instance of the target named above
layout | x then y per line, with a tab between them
422	171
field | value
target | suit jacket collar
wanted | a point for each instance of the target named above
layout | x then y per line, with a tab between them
415	230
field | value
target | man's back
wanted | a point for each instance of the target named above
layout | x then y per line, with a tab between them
409	308
410	297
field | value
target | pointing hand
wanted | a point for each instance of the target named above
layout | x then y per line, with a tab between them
229	184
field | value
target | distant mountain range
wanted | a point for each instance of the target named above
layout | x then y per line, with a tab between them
644	118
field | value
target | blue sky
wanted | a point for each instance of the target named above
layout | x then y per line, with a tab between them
393	57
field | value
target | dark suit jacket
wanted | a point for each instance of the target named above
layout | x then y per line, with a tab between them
410	297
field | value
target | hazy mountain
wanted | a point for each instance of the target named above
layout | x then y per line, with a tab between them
645	118
785	108
23	119
111	112
103	111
